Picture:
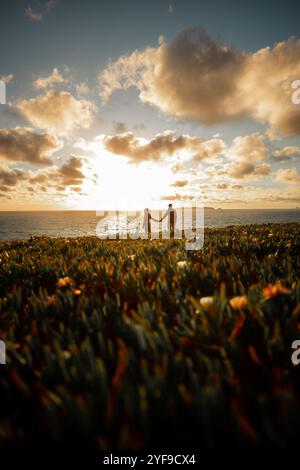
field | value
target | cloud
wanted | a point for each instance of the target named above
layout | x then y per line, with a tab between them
286	153
209	148
225	186
165	144
69	174
119	127
7	78
179	167
287	197
54	180
289	175
247	155
82	88
192	76
178	197
24	145
10	177
266	86
37	16
46	82
241	169
57	111
244	169
179	184
262	170
51	4
32	15
252	148
195	76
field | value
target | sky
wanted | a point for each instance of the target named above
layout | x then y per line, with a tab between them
129	104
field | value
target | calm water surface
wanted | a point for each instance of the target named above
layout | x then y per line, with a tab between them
23	225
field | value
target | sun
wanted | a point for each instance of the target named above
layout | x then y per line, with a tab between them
122	185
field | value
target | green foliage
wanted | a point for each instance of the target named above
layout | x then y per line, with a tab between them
139	343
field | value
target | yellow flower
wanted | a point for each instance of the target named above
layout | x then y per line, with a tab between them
238	302
64	281
77	292
276	289
206	302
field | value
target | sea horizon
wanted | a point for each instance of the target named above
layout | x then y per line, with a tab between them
22	225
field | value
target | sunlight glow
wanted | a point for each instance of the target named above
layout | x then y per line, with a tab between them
123	185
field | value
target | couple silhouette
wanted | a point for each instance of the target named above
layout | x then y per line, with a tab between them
170	214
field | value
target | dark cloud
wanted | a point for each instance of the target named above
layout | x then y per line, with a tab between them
67	175
24	145
161	145
70	172
10	177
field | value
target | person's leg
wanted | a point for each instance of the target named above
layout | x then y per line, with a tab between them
172	224
172	231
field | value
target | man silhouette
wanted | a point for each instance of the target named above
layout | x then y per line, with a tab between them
172	217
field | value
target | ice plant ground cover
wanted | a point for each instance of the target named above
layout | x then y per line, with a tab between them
131	344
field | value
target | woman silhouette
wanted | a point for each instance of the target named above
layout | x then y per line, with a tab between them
147	222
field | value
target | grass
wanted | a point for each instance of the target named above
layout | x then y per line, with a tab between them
131	344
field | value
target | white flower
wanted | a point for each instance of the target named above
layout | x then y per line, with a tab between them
181	264
206	302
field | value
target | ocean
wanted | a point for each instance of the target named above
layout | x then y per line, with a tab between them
23	225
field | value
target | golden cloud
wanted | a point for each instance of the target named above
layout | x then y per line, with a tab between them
57	111
179	184
288	175
195	76
24	145
242	169
10	177
286	153
178	197
55	179
251	147
68	174
139	150
46	82
32	15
